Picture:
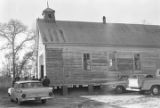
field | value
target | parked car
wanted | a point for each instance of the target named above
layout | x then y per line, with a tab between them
143	83
30	90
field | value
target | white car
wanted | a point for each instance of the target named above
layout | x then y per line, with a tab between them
30	90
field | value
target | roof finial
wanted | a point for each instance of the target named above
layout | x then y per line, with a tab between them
47	4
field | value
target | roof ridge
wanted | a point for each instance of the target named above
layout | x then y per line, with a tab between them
70	21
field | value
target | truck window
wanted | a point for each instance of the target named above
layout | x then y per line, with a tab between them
149	76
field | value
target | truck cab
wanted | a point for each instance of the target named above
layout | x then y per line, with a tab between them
145	82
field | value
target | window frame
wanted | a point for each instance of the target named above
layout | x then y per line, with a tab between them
138	64
86	60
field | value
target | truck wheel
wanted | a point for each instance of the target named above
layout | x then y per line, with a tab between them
155	90
119	89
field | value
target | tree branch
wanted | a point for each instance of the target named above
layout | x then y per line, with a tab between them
22	43
5	46
2	34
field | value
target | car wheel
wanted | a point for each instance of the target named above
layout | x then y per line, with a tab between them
119	89
18	102
43	101
155	90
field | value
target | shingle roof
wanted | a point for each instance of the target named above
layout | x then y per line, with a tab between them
98	33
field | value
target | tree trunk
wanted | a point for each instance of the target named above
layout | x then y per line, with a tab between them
13	59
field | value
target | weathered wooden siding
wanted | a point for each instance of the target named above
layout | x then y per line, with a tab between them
72	66
54	65
150	62
66	66
74	71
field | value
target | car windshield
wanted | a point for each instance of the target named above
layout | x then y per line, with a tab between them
30	85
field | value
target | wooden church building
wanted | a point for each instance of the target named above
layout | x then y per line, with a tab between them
92	53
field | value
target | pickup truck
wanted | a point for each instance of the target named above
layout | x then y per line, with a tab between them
144	82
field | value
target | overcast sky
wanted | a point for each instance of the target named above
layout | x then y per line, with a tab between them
116	11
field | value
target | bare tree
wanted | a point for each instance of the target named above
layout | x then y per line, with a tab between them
11	31
26	58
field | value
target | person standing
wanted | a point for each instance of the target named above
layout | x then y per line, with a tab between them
33	78
46	82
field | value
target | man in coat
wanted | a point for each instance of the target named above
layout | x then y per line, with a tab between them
46	82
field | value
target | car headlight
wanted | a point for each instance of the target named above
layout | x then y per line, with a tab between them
23	95
50	93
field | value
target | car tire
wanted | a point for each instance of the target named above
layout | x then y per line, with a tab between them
43	101
119	89
18	102
155	90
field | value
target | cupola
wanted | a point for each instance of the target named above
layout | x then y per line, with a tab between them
49	14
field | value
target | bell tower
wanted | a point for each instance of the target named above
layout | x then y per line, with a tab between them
49	14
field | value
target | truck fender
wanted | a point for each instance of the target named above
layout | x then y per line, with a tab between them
147	85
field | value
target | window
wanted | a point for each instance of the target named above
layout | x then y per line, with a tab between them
49	15
137	63
124	64
112	61
120	61
86	58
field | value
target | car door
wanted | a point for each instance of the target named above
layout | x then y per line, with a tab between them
133	81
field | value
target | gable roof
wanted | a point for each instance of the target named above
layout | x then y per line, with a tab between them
72	32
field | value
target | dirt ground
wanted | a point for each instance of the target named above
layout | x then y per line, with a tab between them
81	99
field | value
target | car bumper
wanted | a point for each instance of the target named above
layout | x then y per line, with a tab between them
35	98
